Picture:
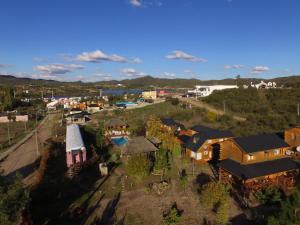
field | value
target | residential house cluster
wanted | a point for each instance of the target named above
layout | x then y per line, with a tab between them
247	163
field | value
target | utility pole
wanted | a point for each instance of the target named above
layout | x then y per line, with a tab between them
8	133
36	136
25	125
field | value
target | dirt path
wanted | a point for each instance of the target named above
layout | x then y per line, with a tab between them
23	159
201	104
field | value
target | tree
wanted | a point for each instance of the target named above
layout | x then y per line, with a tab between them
215	195
173	217
154	126
174	101
184	179
273	221
13	200
222	216
290	210
161	162
269	195
138	166
100	136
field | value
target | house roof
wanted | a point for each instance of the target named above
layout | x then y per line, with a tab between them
172	123
204	134
184	138
256	143
73	138
212	133
258	169
79	114
114	122
138	145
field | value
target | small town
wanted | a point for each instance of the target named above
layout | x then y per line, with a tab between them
104	121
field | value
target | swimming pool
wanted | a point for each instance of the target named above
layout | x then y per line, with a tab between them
119	141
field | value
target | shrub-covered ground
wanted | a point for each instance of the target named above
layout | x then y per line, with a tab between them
270	110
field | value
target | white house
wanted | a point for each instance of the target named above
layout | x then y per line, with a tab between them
264	85
203	91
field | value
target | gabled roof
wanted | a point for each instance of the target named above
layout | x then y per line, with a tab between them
138	145
172	123
262	142
203	134
184	138
194	146
212	133
114	122
258	169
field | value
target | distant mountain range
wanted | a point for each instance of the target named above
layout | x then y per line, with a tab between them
148	81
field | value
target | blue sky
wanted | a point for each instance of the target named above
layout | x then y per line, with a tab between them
93	40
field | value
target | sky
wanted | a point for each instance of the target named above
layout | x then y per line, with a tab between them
94	40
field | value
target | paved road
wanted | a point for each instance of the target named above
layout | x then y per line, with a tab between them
24	157
202	104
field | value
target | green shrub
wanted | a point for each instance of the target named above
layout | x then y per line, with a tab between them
268	195
138	166
173	217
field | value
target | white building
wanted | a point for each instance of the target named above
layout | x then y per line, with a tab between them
203	91
264	85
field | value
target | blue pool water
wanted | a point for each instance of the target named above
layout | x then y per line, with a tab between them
119	141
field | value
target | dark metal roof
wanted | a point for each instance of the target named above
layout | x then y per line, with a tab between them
205	133
258	169
212	133
184	138
172	123
257	143
196	141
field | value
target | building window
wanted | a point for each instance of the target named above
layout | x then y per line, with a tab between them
205	152
193	155
276	152
198	156
250	157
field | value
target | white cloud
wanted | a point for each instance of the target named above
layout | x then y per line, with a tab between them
184	56
136	3
187	71
44	76
104	76
130	72
260	69
57	69
98	56
3	65
228	67
169	75
136	60
145	3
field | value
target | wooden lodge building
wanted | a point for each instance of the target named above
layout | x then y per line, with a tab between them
254	162
204	143
171	125
292	137
116	128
